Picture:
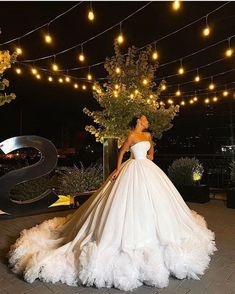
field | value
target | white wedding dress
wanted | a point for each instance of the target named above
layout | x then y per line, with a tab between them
132	231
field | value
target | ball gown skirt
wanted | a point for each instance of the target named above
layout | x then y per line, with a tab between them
132	231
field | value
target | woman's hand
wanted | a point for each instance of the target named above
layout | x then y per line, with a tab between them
115	174
150	156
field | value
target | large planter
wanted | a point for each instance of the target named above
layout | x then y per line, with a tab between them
197	193
80	198
230	203
110	152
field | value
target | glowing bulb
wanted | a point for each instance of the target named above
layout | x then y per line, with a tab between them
60	80
81	57
91	15
170	101
75	86
207	100
48	38
229	52
145	81
176	5
161	103
182	103
34	71
206	31
151	96
18	71
197	78
89	77
148	101
67	79
94	87
225	93
132	96
118	70
19	51
211	86
195	98
215	99
84	87
181	70
55	67
155	55
50	79
178	93
163	87
136	91
191	101
120	38
38	76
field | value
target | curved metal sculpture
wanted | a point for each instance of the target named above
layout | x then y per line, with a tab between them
44	166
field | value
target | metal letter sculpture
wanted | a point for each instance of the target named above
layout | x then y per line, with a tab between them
44	166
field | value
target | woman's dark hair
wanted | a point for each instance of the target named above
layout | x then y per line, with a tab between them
133	121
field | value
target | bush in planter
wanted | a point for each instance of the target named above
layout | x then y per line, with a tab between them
74	180
231	191
186	174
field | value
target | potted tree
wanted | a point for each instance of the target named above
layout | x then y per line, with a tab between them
231	190
186	174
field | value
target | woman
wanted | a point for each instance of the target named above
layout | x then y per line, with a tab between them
134	230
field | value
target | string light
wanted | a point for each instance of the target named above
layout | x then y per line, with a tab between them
207	100
163	87
176	5
81	56
191	101
48	39
89	77
75	86
215	99
18	71
197	78
19	51
229	51
116	86
55	67
182	103
91	15
145	82
84	87
195	98
50	79
67	79
120	37
181	69
60	80
211	86
34	71
225	93
38	76
206	31
170	101
118	70
178	93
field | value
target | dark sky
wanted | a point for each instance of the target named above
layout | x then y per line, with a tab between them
54	110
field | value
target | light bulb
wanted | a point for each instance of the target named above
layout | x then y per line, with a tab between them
229	52
206	31
84	87
91	15
118	70
19	51
181	70
89	77
81	57
191	101
34	71
215	99
148	101
170	101
163	87
197	78
211	86
60	80
67	79
38	76
155	55
176	5
50	79
94	87
182	103
225	93
120	38
207	100
75	86
145	81
116	86
18	71
55	67
48	39
132	96
178	93
195	98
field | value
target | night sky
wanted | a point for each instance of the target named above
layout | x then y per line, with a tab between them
54	111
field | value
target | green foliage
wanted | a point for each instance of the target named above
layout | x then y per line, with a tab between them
74	180
33	188
5	62
125	95
232	171
185	171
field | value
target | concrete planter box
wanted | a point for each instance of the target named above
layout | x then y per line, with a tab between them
197	193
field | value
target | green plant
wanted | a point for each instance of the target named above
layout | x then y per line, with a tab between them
31	189
74	180
232	171
185	171
5	62
130	90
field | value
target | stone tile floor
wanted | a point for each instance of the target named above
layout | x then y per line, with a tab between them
219	278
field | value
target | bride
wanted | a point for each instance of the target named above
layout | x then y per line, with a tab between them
135	229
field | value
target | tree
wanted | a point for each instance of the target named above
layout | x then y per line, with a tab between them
130	90
5	62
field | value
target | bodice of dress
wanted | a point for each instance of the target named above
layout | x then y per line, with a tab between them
139	150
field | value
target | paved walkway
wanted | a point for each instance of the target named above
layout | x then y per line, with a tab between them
218	279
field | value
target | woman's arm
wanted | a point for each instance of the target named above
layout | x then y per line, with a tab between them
125	147
151	150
